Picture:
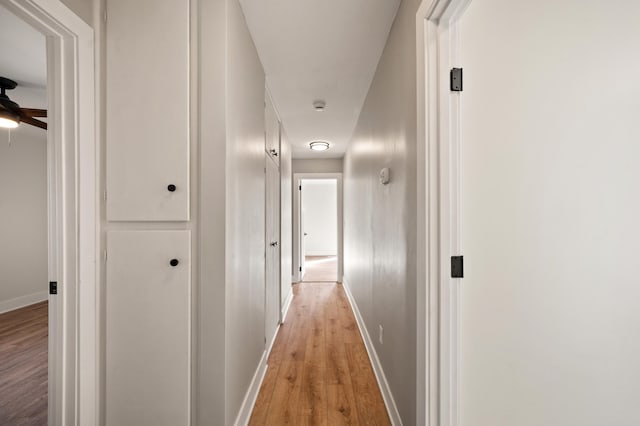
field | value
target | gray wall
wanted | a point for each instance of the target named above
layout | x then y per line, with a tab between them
82	8
320	165
245	200
380	221
23	209
231	218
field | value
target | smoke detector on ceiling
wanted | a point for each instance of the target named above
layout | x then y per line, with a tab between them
319	105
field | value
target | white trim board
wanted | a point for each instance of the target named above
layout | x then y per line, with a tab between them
285	306
249	402
22	301
437	392
389	402
244	415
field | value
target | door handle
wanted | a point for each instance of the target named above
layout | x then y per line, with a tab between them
274	244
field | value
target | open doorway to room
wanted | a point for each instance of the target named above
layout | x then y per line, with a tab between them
317	227
24	224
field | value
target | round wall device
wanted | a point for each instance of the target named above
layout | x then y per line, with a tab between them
319	105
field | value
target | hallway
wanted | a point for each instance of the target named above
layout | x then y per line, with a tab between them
318	371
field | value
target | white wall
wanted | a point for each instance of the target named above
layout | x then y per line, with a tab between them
380	220
23	209
319	204
211	178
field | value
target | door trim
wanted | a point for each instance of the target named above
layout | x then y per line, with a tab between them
297	177
437	49
73	210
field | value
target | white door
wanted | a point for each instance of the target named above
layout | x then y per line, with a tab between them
550	125
303	241
272	130
148	320
272	240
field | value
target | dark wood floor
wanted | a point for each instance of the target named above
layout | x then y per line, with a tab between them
23	366
319	372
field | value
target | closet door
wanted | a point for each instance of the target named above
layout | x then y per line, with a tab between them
272	130
272	258
147	114
148	328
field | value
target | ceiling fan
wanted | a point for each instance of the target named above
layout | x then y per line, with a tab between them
11	115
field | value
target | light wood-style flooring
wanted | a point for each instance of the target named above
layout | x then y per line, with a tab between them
320	268
23	366
318	371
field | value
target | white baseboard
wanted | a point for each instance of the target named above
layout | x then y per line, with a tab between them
321	253
286	305
254	388
389	402
22	301
252	393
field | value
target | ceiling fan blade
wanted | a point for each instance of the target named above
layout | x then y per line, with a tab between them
33	112
34	122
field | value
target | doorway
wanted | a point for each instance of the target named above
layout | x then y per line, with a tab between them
25	252
71	200
532	185
318	227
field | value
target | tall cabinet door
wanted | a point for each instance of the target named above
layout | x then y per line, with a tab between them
148	328
147	113
272	282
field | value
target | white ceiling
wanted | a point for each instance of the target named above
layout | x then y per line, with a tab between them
319	49
23	58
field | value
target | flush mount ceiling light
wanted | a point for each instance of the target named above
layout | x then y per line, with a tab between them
319	146
319	105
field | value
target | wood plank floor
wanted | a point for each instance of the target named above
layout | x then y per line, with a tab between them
23	366
319	372
320	269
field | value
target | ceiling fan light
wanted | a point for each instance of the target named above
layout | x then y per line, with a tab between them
8	120
319	146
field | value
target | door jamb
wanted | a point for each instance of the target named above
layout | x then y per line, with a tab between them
73	209
437	50
297	177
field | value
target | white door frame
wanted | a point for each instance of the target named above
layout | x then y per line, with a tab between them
73	209
297	232
437	49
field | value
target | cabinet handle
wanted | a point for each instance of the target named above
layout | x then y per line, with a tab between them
174	262
171	188
274	152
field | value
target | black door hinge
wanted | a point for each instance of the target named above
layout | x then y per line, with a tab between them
53	287
300	269
457	267
456	79
300	188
